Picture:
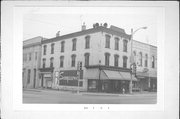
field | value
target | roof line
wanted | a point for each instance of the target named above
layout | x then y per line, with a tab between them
145	43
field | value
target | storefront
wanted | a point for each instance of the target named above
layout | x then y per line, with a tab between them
109	80
46	76
147	81
69	80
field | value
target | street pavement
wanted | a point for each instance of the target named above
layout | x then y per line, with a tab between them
41	96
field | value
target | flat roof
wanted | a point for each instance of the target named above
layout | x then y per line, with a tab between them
88	31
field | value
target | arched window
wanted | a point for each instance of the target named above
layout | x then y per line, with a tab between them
125	45
107	55
116	60
153	62
52	48
86	56
74	44
45	48
140	59
116	43
62	46
146	60
51	62
61	61
87	42
107	41
44	62
125	61
73	61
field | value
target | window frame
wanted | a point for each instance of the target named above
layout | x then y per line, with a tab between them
140	59
153	61
74	43
52	48
62	46
116	60
44	63
87	42
44	49
107	59
116	45
107	41
125	58
146	60
61	61
73	60
125	45
52	62
86	59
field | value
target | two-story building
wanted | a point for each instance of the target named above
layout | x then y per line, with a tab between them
145	56
31	62
104	54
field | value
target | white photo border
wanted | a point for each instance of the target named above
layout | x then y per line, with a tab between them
17	65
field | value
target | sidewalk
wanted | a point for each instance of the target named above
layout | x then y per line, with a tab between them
144	93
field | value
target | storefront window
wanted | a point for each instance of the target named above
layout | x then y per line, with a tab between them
92	85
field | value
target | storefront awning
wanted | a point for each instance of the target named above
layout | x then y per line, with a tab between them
108	75
119	75
112	74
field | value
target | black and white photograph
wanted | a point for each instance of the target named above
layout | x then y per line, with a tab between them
89	59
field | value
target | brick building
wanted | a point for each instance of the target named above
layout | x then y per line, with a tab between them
104	54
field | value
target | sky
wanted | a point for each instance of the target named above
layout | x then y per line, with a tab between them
47	22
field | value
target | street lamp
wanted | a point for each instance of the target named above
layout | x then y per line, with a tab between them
132	62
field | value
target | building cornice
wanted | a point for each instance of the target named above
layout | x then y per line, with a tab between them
86	32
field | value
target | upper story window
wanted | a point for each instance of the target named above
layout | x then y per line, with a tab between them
107	55
44	62
45	49
74	44
87	42
108	37
52	48
29	76
134	56
30	56
86	55
153	62
73	62
36	55
125	61
116	60
140	59
146	60
51	62
61	61
24	57
125	45
116	43
62	46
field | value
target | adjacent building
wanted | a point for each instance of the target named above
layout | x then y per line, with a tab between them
96	59
145	56
31	62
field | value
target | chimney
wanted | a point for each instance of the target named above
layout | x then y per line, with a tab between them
58	34
83	27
